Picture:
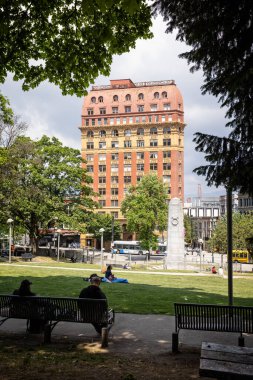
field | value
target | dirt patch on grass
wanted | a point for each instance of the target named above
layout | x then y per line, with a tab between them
28	360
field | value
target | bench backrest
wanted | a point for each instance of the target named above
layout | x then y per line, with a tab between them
214	317
54	308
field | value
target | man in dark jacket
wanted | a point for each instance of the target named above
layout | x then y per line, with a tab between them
93	291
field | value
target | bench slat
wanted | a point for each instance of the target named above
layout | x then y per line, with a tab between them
216	368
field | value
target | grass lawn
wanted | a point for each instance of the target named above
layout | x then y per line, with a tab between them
146	293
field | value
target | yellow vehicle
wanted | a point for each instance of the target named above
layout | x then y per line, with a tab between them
241	256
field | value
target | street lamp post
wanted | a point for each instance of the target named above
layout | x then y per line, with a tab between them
101	231
10	221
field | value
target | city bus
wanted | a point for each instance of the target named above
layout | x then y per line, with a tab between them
241	256
133	247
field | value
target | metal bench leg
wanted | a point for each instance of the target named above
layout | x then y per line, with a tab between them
104	337
174	342
47	334
241	341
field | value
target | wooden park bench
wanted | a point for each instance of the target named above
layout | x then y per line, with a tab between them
212	318
226	362
27	256
52	310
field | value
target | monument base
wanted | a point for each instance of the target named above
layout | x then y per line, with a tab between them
175	263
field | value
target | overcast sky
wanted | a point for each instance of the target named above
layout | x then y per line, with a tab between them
48	112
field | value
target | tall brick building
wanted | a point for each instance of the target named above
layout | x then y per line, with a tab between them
130	129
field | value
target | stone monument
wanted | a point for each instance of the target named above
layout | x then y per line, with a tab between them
175	257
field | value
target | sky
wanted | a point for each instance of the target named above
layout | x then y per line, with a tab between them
48	112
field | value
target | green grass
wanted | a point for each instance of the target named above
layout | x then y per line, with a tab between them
145	294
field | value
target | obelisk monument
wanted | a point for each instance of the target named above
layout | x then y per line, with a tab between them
175	257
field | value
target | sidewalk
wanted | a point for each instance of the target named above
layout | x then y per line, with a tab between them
131	333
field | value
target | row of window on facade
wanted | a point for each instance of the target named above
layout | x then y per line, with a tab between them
114	180
128	109
128	97
202	212
129	144
130	120
128	132
128	156
127	168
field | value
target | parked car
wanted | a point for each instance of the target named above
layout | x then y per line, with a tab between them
19	250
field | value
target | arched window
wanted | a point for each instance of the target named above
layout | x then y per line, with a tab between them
100	99
164	94
115	133
140	131
127	132
153	131
166	130
115	98
102	133
128	97
141	96
93	99
90	134
156	95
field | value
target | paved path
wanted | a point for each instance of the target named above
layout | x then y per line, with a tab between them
131	333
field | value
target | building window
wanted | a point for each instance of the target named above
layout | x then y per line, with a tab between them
170	118
90	111
127	168
115	133
105	121
166	166
143	119
100	99
118	120
124	120
89	157
157	118
102	111
114	179
90	134
89	168
153	155
140	96
163	118
153	166
128	97
127	156
102	157
99	121
153	142
140	155
140	167
179	106
101	202
153	107
150	119
111	120
127	179
156	95
115	156
115	215
115	109
114	144
114	168
138	178
102	133
87	122
140	132
90	145
101	179
140	143
127	109
166	154
131	120
127	132
166	179
93	99
137	119
114	202
93	121
153	131
114	191
102	191
166	142
166	130
102	168
127	144
140	108
164	94
115	98
166	106
102	145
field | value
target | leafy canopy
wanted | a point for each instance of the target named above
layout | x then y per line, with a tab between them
105	221
69	43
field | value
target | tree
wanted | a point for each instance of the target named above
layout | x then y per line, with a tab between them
45	180
220	34
188	234
69	43
97	221
146	210
242	231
